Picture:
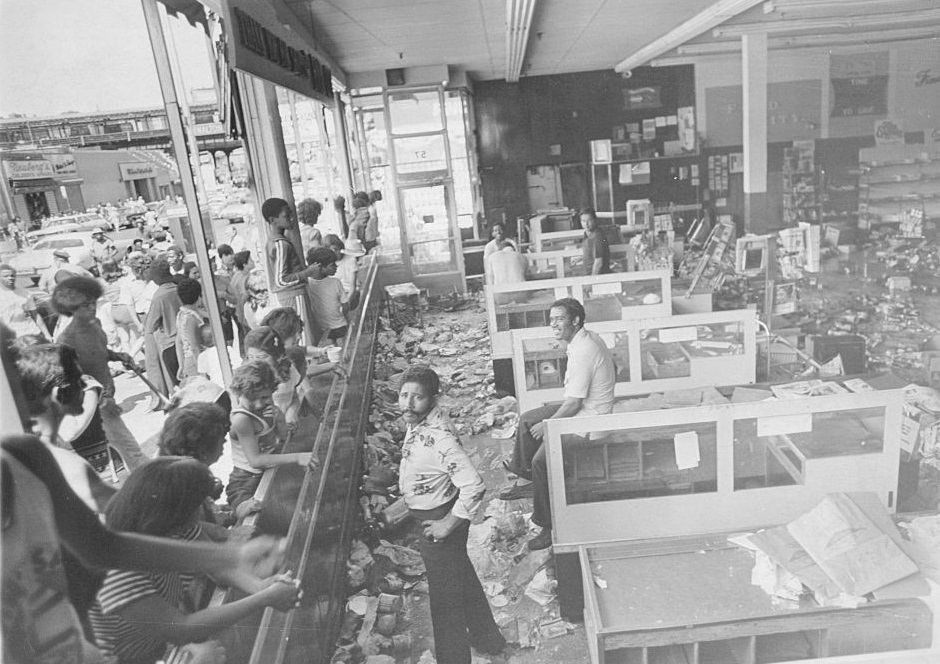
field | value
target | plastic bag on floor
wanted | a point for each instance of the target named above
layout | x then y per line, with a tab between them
541	589
427	658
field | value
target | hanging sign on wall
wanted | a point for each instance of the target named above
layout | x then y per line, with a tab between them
859	84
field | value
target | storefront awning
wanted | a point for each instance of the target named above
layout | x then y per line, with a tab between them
32	186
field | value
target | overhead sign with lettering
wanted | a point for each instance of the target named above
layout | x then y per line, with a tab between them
63	165
259	44
32	169
137	170
859	84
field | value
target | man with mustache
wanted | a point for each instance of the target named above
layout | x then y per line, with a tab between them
443	490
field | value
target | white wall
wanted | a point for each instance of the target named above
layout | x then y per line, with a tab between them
807	73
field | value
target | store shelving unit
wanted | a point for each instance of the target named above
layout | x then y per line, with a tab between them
800	202
838	187
896	181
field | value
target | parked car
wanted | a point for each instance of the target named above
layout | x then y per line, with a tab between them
82	221
33	261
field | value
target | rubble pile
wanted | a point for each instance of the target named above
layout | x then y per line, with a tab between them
888	317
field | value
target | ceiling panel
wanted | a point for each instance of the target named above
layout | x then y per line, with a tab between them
566	35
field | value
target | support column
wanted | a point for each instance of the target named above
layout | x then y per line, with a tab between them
342	131
174	119
270	177
298	143
754	86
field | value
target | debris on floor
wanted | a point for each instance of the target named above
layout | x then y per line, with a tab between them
384	573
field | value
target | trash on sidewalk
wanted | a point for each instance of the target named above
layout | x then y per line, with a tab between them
541	588
408	561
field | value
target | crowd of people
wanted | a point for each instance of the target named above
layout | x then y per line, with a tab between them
148	305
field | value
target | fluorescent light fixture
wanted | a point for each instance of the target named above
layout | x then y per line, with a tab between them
838	23
518	23
704	21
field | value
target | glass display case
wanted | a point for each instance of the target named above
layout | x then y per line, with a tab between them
675	352
569	262
620	296
691	600
711	468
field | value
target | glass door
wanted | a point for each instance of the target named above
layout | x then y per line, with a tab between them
420	157
428	214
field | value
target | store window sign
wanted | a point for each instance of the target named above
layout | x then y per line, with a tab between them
859	84
63	165
137	171
33	169
260	45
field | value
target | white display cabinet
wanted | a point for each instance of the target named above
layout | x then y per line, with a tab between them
569	262
606	297
554	231
675	352
715	468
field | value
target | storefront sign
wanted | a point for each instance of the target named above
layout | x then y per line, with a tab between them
28	170
260	45
137	171
63	165
889	132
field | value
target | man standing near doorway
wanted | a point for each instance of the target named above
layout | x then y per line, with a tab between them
589	390
595	248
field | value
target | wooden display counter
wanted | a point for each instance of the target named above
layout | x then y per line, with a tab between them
675	352
621	296
691	600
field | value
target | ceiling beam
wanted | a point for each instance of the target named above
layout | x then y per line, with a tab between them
518	23
781	6
704	21
837	23
808	41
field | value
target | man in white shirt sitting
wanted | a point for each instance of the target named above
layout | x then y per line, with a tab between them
589	390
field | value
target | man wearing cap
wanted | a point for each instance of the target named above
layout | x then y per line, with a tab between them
60	263
102	249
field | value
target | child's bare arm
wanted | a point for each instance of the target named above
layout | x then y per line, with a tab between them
247	437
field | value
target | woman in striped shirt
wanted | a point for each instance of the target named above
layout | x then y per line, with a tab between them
140	616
